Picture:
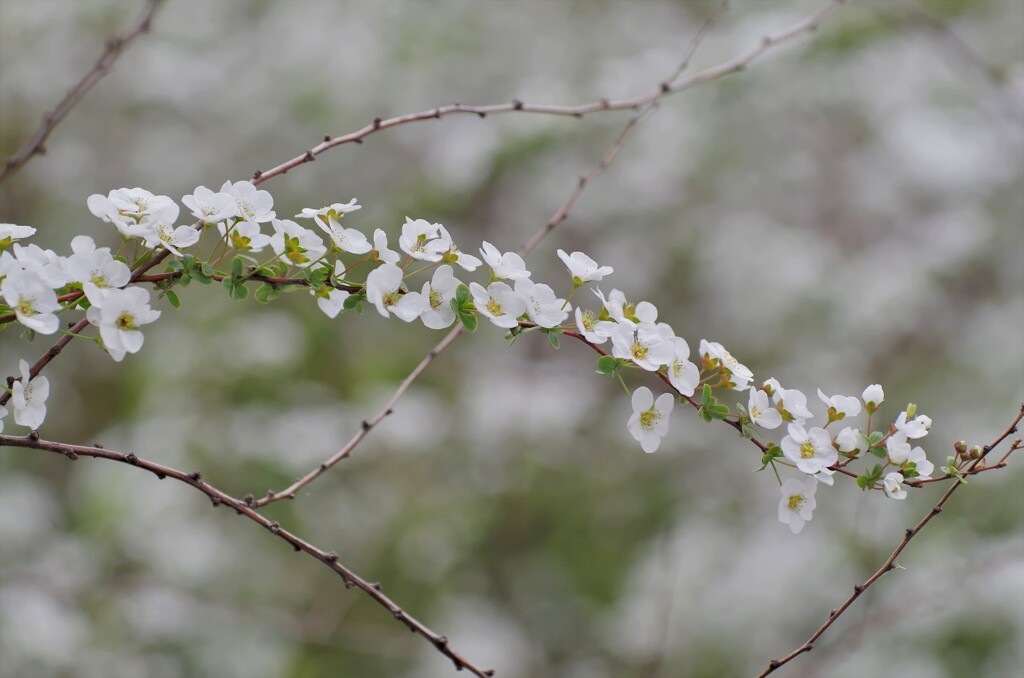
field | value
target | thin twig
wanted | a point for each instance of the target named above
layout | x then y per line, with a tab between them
664	88
890	563
242	507
115	46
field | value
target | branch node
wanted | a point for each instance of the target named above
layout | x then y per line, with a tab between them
332	557
215	500
375	585
195	476
665	87
309	157
774	664
131	459
936	510
71	455
441	641
376	123
327	137
832	613
33	436
910	532
858	587
482	114
249	500
366	425
274	527
437	112
257	174
517	104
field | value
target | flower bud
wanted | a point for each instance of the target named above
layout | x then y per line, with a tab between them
911	411
873	396
961	447
976	452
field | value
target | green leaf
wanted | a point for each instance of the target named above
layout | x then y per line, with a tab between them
773	453
462	294
607	364
236	267
240	291
207	269
353	300
266	293
173	298
553	339
706	398
469	322
175	265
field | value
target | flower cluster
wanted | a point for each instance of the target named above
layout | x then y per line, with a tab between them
239	221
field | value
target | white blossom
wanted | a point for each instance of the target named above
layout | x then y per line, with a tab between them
419	240
45	264
761	412
120	320
383	286
810	450
95	269
453	254
648	345
251	204
593	330
848	440
622	311
682	374
892	484
330	300
133	211
172	239
296	245
582	268
438	293
797	503
741	376
848	406
649	421
210	207
542	306
333	211
33	301
12	232
498	302
508	266
244	236
915	428
873	396
28	398
381	252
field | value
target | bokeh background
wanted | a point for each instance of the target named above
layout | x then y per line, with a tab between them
847	211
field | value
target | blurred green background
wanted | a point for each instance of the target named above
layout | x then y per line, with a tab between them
847	211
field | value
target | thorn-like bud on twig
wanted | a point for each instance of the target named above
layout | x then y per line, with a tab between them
909	532
482	114
71	455
605	103
160	476
858	587
327	137
937	510
517	104
442	640
376	586
366	425
309	156
131	459
257	174
249	500
774	664
195	475
665	87
296	547
489	673
215	500
97	446
376	123
33	436
332	557
274	527
832	613
437	112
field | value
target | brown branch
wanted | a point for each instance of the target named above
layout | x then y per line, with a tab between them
115	46
241	507
672	86
890	563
